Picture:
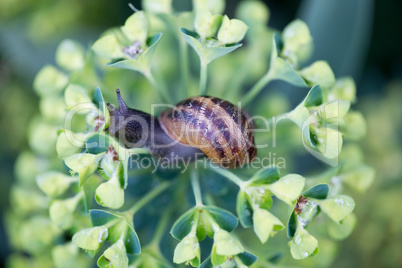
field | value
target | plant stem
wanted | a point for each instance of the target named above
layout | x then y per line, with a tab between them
184	68
203	78
257	88
195	183
149	196
229	175
160	91
161	227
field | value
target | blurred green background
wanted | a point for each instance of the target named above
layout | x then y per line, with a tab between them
361	38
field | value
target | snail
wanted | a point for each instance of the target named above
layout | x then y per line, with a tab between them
197	126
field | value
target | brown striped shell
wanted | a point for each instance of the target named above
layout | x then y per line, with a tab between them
215	126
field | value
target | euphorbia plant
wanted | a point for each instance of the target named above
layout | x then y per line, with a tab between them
118	204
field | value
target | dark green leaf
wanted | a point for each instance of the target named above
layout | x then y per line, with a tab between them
183	225
319	191
247	258
132	242
97	143
244	210
314	97
207	263
292	225
265	176
101	217
223	218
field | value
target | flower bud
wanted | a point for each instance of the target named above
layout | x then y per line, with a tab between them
206	24
253	12
231	31
215	6
157	6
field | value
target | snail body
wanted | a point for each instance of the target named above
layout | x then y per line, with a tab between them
195	127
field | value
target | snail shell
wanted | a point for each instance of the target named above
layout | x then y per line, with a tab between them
215	126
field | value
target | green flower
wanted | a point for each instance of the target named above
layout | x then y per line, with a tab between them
129	42
188	251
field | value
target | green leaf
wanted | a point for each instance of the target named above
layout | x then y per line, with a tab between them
265	223
314	97
337	207
70	55
247	258
90	238
183	225
49	80
265	176
69	143
223	218
319	73
319	191
342	230
288	188
281	69
231	31
303	244
54	183
360	178
244	210
143	64
292	225
131	242
206	54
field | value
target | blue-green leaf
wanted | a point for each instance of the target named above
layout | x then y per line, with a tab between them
101	217
97	143
244	210
281	69
206	54
223	218
207	263
183	225
265	176
132	242
314	97
247	258
319	191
